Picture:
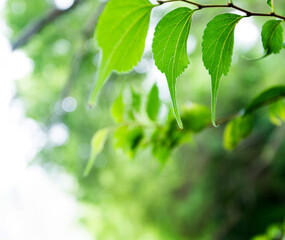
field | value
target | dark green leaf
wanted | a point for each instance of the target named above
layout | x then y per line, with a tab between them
272	37
265	98
170	49
270	3
121	34
153	103
217	49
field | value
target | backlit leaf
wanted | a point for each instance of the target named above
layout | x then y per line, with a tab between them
170	49
272	37
97	144
117	110
217	49
121	34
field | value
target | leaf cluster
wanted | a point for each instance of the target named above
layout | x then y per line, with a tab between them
122	43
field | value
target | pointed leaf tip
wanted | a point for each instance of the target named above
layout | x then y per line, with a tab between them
97	144
217	50
170	49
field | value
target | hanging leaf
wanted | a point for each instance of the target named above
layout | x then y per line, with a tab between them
267	97
272	37
277	112
153	103
170	49
217	49
121	34
97	144
236	130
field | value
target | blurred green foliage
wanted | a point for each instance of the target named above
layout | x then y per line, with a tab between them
203	191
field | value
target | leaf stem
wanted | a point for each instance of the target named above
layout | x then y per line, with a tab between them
229	5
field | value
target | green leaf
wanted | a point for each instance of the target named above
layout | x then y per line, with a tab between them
265	98
277	112
121	34
217	49
170	49
272	37
153	103
135	106
236	130
117	110
161	144
196	117
136	100
270	3
97	144
128	139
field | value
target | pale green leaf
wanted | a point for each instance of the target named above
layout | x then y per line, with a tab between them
277	112
121	34
170	49
153	103
118	108
217	49
272	37
97	144
236	130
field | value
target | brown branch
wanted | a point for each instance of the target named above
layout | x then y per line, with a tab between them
36	26
229	5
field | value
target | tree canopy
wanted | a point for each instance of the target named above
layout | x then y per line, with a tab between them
157	67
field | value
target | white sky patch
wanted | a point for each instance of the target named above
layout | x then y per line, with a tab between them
191	44
2	4
246	33
63	4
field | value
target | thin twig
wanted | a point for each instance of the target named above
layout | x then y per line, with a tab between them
229	5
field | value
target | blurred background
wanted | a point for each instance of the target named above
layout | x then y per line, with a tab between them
193	190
